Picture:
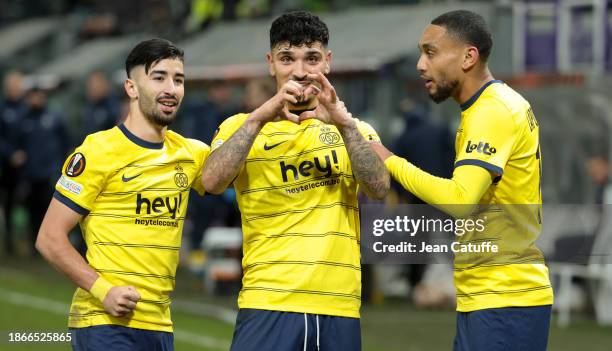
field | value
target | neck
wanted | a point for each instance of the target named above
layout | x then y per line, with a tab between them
471	84
140	126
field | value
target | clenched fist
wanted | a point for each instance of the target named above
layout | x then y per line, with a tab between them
121	300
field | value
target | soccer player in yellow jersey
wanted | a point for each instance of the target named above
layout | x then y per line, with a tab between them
503	303
128	188
296	163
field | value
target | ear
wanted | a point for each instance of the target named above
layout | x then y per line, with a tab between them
328	61
130	88
270	64
470	58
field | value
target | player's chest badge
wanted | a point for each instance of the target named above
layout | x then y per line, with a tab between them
180	178
328	136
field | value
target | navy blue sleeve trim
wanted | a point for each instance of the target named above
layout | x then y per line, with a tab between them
472	100
480	163
73	205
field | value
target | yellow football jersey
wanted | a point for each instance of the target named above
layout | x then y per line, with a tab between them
300	218
498	131
133	196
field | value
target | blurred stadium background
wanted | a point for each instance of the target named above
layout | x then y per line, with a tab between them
62	68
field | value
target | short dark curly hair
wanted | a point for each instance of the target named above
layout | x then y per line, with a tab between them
148	52
468	27
298	28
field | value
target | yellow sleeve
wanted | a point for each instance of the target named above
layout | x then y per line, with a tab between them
83	177
466	187
367	131
489	137
227	129
200	154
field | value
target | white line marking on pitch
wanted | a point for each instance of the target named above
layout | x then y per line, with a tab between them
48	305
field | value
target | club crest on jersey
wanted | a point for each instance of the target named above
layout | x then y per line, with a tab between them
328	136
180	178
76	165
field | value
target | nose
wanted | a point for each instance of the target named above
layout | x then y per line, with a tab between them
298	70
171	87
421	64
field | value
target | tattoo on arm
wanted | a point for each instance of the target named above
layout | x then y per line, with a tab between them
368	168
223	164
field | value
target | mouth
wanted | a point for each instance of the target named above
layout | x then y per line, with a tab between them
428	82
304	82
168	106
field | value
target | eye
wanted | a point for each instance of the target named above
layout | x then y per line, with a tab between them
429	53
159	78
313	59
179	81
285	59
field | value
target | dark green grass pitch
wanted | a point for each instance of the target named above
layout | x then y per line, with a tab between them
34	298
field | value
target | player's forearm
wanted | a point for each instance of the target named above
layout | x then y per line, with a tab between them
60	253
368	168
223	164
457	196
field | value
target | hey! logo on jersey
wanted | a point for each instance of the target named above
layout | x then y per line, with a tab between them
481	147
159	205
309	168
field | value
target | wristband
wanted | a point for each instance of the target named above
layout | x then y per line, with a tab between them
100	288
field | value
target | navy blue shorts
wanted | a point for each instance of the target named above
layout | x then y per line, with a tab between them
507	329
120	338
261	330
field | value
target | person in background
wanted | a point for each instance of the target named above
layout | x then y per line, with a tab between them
44	141
11	111
429	146
103	108
201	118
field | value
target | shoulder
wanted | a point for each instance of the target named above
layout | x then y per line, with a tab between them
234	121
505	100
97	151
194	146
101	142
366	129
362	123
492	108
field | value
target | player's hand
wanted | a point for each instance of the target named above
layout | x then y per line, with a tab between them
381	150
121	300
277	107
330	109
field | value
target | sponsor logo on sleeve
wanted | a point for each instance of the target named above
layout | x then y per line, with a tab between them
70	185
480	147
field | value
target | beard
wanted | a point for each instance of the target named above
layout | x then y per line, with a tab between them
444	91
149	109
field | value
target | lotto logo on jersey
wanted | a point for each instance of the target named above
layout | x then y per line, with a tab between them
481	148
307	168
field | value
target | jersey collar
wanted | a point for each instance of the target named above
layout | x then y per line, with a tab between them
472	100
140	142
